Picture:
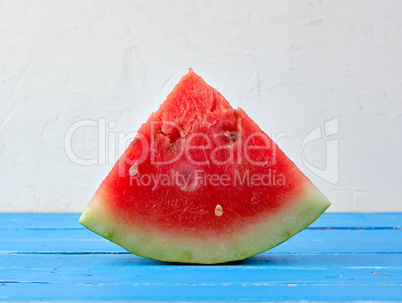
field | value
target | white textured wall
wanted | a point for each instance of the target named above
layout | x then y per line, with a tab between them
291	65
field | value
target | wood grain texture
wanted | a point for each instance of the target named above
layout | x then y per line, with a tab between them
341	257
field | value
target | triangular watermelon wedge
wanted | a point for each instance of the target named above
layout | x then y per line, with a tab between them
202	183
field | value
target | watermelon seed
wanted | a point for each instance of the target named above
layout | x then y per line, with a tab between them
133	170
231	135
218	210
173	134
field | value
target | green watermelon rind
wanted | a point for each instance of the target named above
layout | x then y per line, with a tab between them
252	240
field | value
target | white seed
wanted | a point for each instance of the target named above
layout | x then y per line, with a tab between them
133	170
218	210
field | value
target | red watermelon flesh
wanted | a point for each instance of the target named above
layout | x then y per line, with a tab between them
202	183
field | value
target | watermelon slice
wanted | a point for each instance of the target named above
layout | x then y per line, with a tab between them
202	183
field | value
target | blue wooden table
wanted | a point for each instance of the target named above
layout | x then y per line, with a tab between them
341	257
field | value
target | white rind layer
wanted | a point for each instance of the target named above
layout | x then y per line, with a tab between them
250	241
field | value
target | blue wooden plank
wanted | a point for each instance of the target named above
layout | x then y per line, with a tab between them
70	220
276	268
262	278
344	241
39	221
274	260
306	241
187	292
365	220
